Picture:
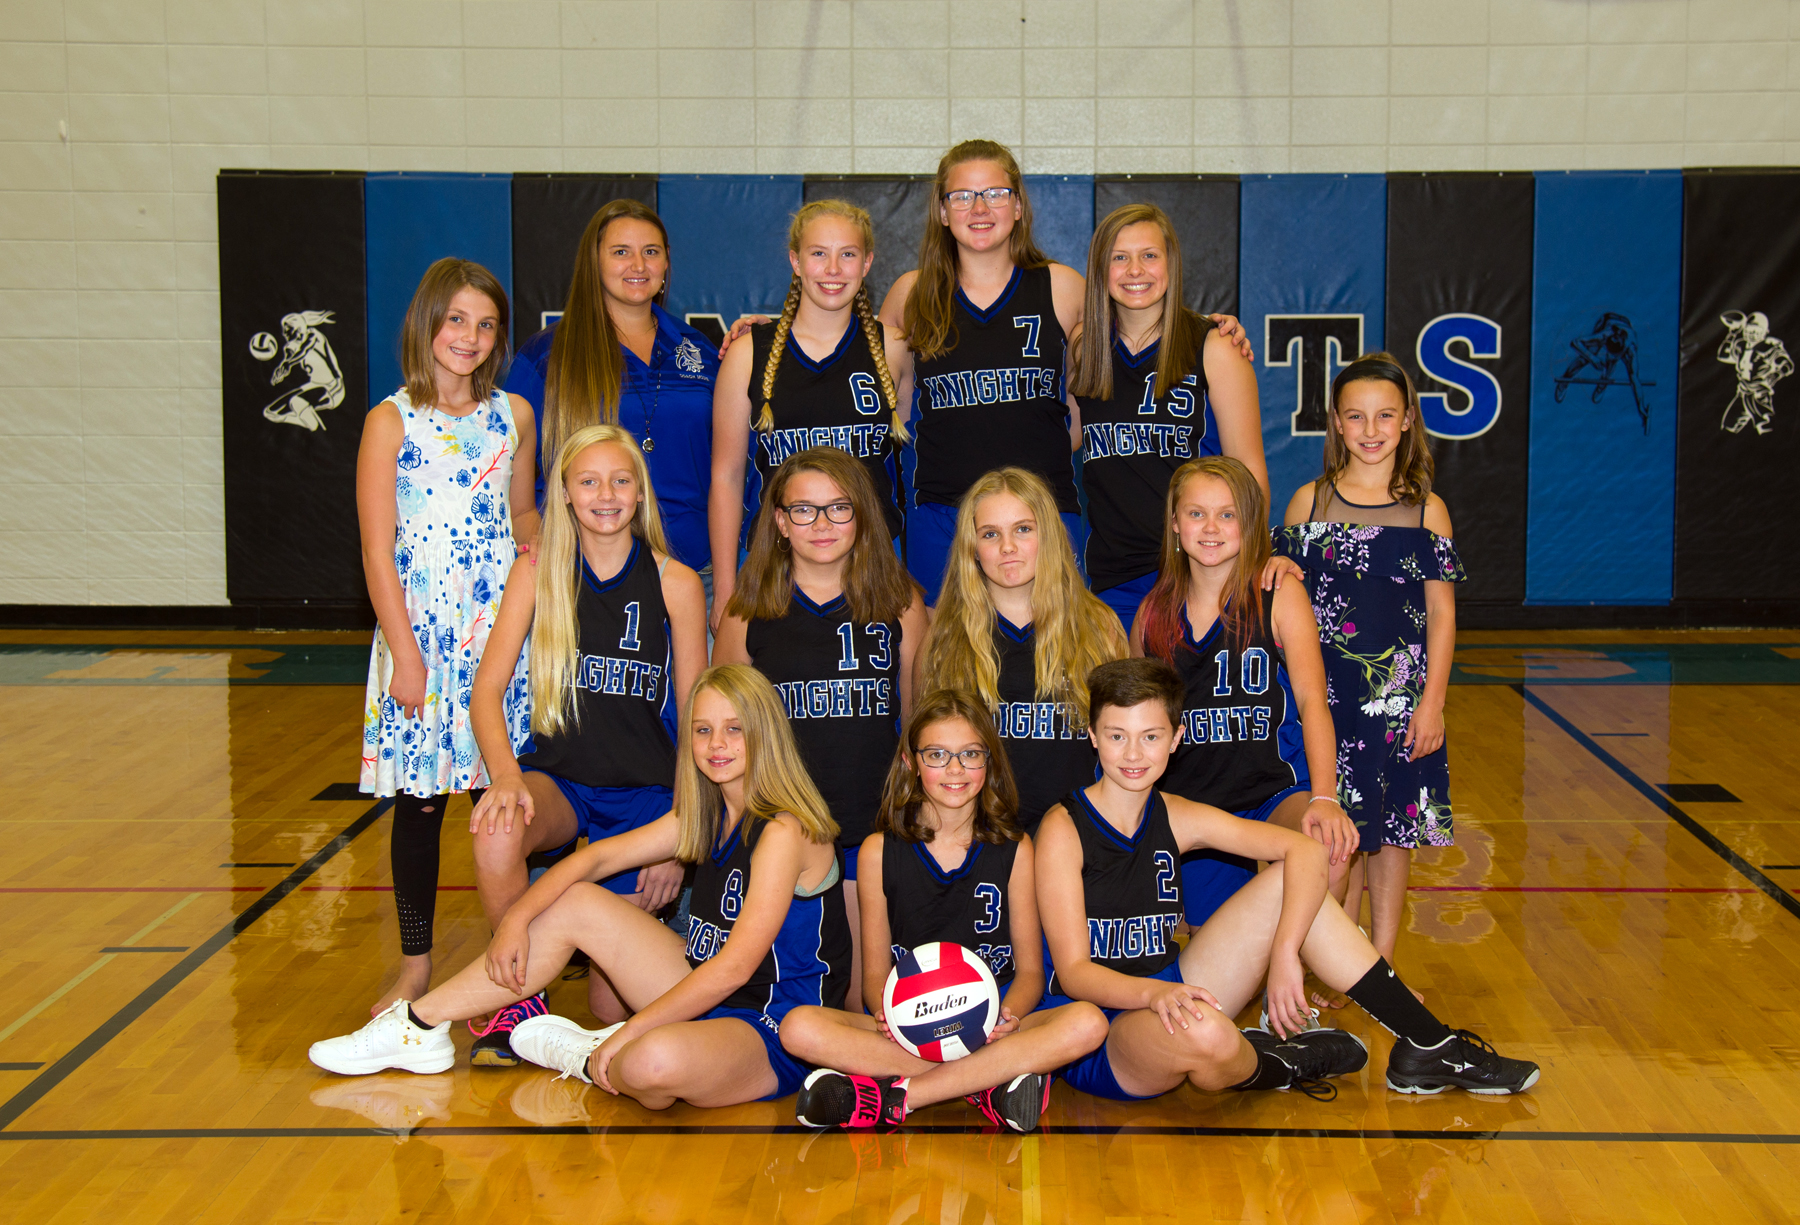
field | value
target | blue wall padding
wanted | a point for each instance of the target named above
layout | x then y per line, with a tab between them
1311	245
414	220
728	241
1602	476
1062	216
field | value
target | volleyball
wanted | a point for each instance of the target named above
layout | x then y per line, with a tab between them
263	347
940	1002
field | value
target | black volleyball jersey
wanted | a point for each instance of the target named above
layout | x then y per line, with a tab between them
1241	741
966	907
832	403
1133	443
1131	887
624	687
997	397
840	682
809	963
1048	754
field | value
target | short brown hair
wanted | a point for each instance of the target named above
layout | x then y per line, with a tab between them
1132	682
996	807
425	318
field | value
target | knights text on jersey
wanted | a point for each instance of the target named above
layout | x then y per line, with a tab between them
809	963
1131	888
1047	752
967	907
1241	738
997	397
624	731
832	403
839	680
1133	443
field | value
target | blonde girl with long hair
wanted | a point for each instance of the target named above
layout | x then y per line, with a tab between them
830	616
443	492
826	373
768	931
1016	628
617	357
1157	385
946	863
616	630
1258	737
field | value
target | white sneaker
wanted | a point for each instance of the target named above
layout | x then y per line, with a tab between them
559	1044
391	1040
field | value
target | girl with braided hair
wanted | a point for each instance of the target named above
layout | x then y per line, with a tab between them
826	373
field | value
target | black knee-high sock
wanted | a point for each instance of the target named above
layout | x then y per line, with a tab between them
413	852
1382	995
1270	1073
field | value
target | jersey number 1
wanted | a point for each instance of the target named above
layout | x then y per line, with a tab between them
630	641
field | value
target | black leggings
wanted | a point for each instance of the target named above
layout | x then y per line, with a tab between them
413	848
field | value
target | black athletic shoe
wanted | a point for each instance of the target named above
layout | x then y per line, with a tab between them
1461	1061
493	1043
838	1099
1018	1105
1316	1055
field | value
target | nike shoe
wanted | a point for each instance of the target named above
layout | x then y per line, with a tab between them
1312	1019
391	1040
1017	1106
493	1042
559	1044
1313	1057
1461	1061
835	1099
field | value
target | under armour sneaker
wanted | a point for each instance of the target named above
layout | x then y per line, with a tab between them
837	1099
391	1040
493	1042
1018	1105
559	1044
1313	1057
1461	1061
396	1104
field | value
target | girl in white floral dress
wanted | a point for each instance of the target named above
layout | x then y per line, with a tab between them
1375	544
443	489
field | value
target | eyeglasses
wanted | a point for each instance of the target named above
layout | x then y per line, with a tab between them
972	759
803	513
962	201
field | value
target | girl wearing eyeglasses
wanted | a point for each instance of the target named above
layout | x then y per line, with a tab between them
985	316
825	610
1017	629
947	862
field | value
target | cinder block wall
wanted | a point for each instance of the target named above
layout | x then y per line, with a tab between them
116	114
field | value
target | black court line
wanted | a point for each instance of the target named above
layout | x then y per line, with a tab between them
794	1129
1618	733
288	864
146	948
20	1067
1744	867
1779	867
114	1025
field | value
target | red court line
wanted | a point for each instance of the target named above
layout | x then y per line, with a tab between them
217	889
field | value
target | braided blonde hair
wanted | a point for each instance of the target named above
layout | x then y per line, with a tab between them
865	312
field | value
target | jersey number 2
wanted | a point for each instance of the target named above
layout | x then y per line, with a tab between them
1165	878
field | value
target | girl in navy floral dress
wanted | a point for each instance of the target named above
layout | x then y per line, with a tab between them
1374	542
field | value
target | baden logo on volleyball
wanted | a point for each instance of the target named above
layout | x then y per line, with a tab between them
940	1001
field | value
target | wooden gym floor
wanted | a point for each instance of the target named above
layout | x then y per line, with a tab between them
191	894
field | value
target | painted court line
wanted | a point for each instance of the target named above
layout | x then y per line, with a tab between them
1744	867
114	1025
82	977
794	1129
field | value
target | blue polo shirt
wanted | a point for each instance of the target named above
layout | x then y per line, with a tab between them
669	402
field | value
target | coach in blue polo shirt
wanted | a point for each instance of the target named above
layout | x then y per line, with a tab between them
617	356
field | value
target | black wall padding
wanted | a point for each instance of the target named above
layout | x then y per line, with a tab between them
294	334
896	206
549	212
1204	209
1459	267
1739	415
